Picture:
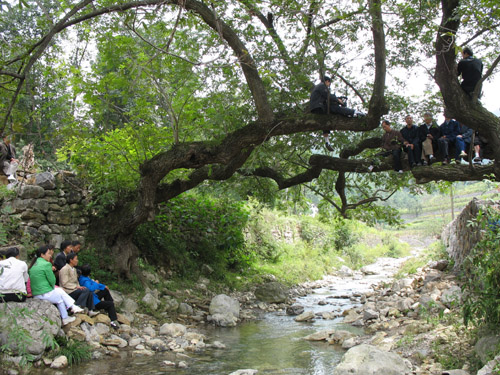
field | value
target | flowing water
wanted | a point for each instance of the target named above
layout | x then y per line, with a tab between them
273	344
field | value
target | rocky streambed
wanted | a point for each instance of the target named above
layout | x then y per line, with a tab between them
361	322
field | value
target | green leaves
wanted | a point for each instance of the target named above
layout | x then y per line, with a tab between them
481	288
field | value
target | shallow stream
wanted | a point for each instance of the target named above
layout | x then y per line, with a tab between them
273	344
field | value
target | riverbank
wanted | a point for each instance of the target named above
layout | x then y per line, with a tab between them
313	324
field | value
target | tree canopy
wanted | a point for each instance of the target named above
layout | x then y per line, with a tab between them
149	99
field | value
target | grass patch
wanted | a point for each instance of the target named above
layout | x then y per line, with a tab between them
76	351
435	251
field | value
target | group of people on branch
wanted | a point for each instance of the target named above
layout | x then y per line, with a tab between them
59	281
423	142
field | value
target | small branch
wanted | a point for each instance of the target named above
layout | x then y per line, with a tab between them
479	33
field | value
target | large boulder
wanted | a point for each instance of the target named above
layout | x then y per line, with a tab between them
224	310
485	347
38	319
273	292
369	360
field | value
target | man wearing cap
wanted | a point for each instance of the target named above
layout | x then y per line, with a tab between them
324	102
471	70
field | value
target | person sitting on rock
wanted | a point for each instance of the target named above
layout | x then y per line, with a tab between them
8	161
323	102
43	283
102	296
428	134
68	280
60	260
13	277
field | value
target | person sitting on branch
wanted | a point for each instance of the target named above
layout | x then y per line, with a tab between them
429	133
391	143
322	101
471	70
450	135
411	142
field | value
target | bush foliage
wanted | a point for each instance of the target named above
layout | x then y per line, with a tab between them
481	281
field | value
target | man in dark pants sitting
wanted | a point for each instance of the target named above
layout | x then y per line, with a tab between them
411	142
450	135
391	143
324	102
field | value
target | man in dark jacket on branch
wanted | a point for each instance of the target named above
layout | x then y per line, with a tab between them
324	102
411	142
471	70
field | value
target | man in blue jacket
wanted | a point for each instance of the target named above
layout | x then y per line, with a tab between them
101	294
451	134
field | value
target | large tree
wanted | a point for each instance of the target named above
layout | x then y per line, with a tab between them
183	91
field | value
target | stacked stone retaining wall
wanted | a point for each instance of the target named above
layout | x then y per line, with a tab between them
459	237
50	208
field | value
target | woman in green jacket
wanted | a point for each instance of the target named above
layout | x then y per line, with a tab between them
43	282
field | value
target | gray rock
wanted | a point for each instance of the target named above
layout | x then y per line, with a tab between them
91	334
295	310
185	309
305	316
369	360
273	292
118	298
224	310
485	347
134	341
59	362
150	331
439	265
61	217
173	330
401	284
433	275
455	372
102	329
405	304
40	319
370	270
451	296
244	372
491	367
32	191
345	271
171	304
129	306
150	300
45	180
157	345
370	314
73	196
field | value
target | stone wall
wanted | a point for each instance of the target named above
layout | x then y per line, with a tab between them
49	207
459	237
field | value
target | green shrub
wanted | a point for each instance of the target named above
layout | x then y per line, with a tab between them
193	230
481	281
76	351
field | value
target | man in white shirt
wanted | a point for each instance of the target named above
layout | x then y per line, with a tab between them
13	277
